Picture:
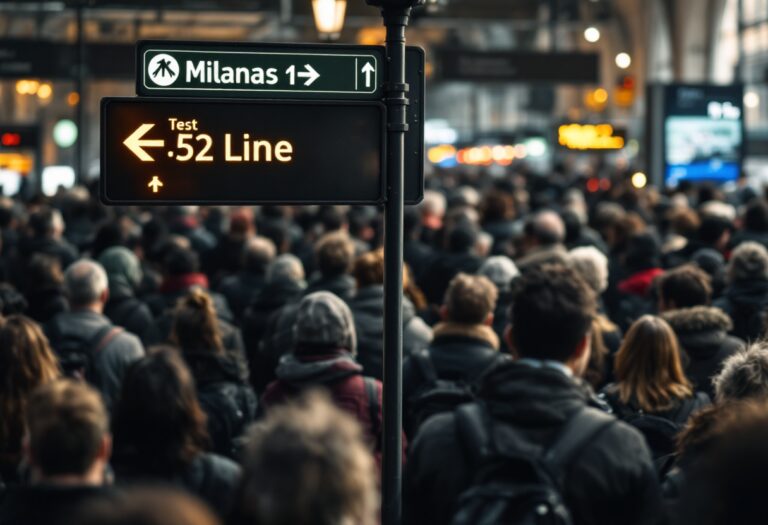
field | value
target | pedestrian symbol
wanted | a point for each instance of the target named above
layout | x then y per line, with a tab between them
163	69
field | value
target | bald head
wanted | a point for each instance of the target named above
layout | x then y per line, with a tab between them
86	285
546	228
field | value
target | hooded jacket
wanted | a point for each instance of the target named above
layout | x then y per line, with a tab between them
611	481
368	310
745	302
225	396
703	334
336	370
123	308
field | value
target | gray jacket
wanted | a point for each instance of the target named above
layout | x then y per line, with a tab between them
110	356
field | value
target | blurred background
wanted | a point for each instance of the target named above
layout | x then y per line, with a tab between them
659	91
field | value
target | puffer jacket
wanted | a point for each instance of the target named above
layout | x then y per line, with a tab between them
703	334
368	311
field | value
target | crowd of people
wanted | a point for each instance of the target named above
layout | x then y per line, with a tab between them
571	357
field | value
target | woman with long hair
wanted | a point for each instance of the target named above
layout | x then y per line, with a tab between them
651	391
221	375
160	432
26	362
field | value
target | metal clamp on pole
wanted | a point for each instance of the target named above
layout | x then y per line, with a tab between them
396	14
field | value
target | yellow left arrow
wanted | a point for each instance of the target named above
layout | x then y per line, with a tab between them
135	143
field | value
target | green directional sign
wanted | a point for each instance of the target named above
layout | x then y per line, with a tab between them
259	70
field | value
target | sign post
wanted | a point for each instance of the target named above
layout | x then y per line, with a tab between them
396	14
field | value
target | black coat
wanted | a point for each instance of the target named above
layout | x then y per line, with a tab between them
746	303
612	481
125	310
342	286
239	290
47	504
368	311
444	267
260	315
703	334
225	396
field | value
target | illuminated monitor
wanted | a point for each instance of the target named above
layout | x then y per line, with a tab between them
703	133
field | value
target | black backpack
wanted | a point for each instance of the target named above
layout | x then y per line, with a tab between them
76	354
436	395
517	482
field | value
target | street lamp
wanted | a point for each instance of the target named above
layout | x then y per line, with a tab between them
329	17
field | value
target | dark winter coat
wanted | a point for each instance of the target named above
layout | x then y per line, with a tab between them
110	362
210	477
417	255
444	267
611	481
45	303
703	334
47	504
635	297
368	311
746	303
125	310
225	396
458	352
336	370
259	322
343	286
239	290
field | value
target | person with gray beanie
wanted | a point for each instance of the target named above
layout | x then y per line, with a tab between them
324	357
501	271
745	299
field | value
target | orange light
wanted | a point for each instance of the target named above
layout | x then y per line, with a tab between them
438	154
600	95
45	91
73	99
589	137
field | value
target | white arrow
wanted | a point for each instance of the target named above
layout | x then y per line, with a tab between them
155	183
135	144
310	74
367	70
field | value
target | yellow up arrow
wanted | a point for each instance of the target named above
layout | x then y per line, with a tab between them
135	143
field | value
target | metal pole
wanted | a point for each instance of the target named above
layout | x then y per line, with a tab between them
395	20
80	88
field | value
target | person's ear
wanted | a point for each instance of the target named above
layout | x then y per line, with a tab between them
104	297
579	360
488	320
507	336
105	448
443	313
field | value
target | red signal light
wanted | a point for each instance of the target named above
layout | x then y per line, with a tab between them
10	139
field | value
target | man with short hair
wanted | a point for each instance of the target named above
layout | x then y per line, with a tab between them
464	344
610	479
67	448
702	330
86	341
240	288
543	239
334	254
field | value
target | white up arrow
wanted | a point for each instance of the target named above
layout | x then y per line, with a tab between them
310	74
367	70
135	143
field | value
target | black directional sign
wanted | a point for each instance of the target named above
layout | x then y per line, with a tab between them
259	70
164	151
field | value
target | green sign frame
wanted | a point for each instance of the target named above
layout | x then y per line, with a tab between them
247	70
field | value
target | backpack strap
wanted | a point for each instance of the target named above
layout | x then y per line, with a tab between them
472	430
427	368
374	408
578	431
102	338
